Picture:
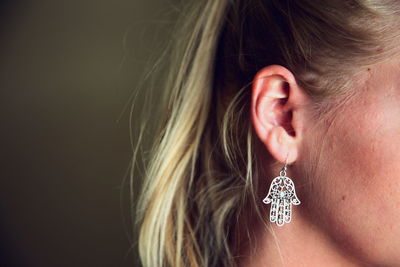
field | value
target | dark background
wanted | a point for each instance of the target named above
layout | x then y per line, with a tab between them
67	71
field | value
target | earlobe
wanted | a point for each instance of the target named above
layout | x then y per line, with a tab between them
274	96
281	145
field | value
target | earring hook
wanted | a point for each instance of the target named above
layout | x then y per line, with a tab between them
284	168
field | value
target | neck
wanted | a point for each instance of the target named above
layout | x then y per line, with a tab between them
298	243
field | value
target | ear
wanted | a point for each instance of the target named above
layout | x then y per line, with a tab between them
278	111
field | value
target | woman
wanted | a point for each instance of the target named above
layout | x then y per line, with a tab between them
258	89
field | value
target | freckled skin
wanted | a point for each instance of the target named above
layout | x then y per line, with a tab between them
357	177
345	167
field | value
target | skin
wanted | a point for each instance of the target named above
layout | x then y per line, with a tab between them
345	166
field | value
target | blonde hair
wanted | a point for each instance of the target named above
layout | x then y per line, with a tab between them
200	170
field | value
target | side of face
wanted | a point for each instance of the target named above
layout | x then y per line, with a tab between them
355	153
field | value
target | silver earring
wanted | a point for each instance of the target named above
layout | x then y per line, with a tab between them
282	195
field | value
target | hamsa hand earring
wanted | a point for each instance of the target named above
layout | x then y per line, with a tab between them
282	195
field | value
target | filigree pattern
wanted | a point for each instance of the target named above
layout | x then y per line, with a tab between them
281	195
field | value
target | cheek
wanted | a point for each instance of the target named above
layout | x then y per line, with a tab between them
358	182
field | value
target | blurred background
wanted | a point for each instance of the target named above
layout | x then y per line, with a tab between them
68	70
